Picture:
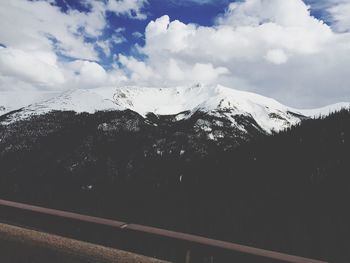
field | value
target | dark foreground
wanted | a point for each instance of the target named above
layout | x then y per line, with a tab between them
154	242
23	245
285	192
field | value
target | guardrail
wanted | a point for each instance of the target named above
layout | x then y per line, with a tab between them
137	237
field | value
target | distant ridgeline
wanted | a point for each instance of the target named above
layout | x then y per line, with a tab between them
288	191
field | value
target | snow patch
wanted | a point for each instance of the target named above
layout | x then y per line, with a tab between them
324	111
183	101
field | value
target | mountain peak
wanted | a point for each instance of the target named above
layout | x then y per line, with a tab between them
218	101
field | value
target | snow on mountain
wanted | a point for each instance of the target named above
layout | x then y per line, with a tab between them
217	101
166	101
14	100
324	111
80	100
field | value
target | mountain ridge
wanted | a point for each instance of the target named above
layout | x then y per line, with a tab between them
180	102
171	176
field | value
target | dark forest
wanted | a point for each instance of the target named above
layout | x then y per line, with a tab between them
288	192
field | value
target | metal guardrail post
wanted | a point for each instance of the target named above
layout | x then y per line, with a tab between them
188	256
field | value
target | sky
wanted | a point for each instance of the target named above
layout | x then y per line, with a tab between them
295	51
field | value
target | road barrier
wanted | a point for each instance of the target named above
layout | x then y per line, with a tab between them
150	241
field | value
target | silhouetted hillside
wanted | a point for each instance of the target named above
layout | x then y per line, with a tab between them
288	191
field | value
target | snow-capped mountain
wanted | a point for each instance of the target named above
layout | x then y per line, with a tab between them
14	99
192	149
218	101
181	102
324	111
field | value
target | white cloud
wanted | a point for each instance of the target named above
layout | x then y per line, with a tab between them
170	72
139	70
273	47
198	2
131	8
247	32
335	12
36	33
341	16
108	44
207	73
256	12
276	56
137	34
89	75
35	67
88	72
37	25
323	5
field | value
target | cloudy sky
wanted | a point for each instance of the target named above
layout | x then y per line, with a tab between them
295	51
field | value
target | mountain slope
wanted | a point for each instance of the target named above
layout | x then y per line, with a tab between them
218	101
324	111
286	192
11	100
